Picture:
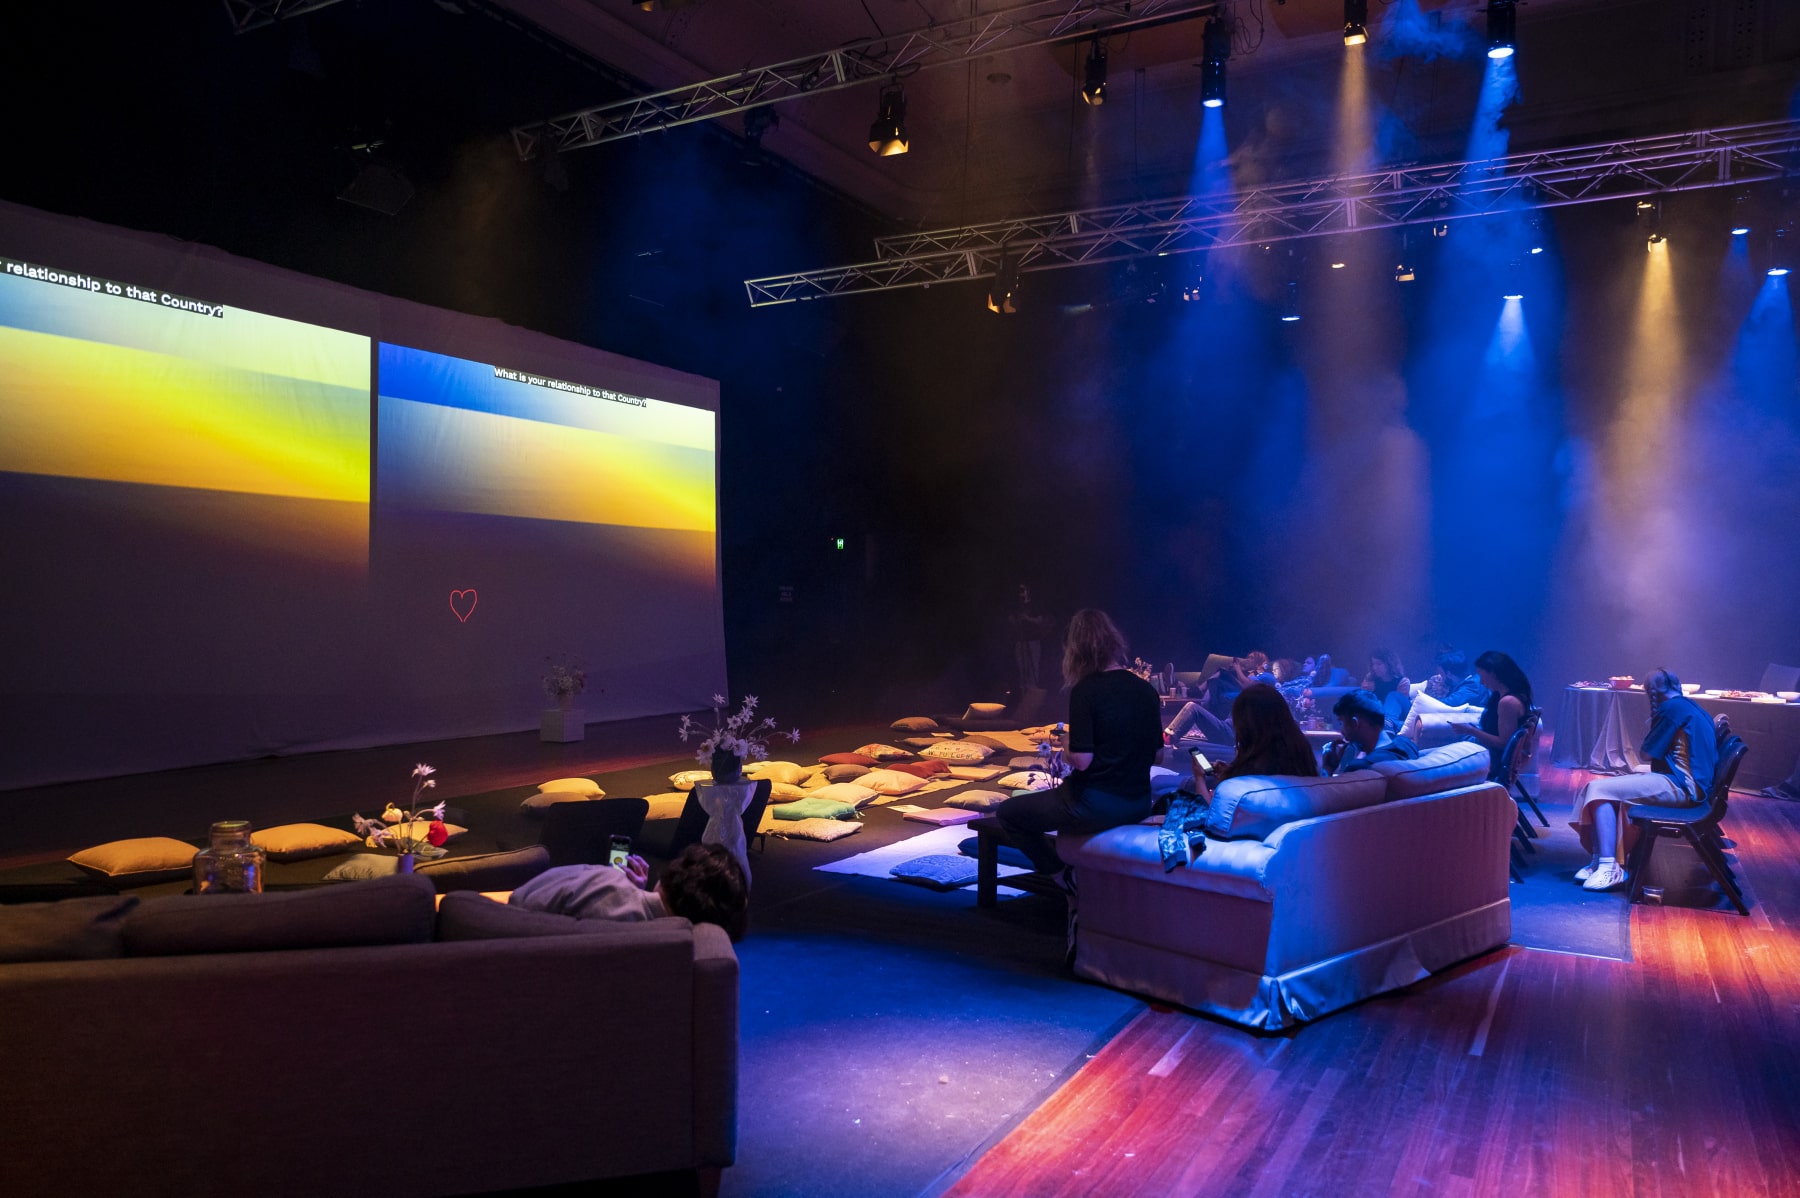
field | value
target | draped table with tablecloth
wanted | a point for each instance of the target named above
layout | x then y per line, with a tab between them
1599	729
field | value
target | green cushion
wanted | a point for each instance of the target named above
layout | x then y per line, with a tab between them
813	809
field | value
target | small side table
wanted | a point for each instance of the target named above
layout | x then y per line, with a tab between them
989	838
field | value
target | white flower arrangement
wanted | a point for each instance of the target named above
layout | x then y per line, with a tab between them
740	734
564	678
404	835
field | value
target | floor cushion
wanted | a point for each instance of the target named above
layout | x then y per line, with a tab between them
879	753
914	723
853	793
138	861
890	782
941	871
817	829
977	800
814	808
847	759
844	773
920	769
296	842
968	751
580	786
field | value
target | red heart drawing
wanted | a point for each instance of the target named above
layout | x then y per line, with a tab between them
460	600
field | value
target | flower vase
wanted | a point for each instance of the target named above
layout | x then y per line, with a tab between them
727	766
566	700
403	864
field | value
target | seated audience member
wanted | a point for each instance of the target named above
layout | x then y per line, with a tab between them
1194	717
1269	741
1367	739
704	884
1456	684
1115	733
1223	688
1388	682
1509	696
1683	752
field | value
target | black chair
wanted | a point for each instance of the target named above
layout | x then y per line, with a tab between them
581	833
1513	758
1698	825
693	819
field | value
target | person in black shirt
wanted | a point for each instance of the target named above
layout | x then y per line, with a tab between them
1115	733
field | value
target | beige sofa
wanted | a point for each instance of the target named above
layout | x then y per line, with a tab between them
352	1040
1312	894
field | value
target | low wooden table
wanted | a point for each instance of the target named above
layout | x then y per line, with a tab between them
989	838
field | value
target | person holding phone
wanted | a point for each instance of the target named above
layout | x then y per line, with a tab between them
1367	739
1115	733
1269	741
704	884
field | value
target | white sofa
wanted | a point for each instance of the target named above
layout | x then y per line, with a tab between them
1312	893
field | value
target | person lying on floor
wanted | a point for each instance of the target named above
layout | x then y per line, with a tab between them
704	884
1682	748
1363	718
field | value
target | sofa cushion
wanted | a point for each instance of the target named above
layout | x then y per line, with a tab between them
1251	807
1446	767
396	910
138	861
1235	867
296	842
77	929
579	786
487	871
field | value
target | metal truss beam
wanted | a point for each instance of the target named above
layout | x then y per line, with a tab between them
1035	23
254	14
1311	208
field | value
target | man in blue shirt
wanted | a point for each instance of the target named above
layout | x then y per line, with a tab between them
1366	737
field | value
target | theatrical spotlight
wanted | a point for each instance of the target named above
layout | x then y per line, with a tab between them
1290	310
1783	255
1404	273
1216	41
1093	84
1003	293
1356	22
1651	209
887	136
1500	29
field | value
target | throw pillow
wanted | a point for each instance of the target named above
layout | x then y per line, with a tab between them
957	750
580	786
1027	780
844	773
686	778
941	871
890	782
977	800
77	929
776	771
397	910
846	759
545	798
942	815
783	792
915	723
417	830
853	793
296	842
877	753
977	773
363	866
982	710
813	809
137	862
922	769
818	829
918	744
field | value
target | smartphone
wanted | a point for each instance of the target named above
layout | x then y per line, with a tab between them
1200	760
621	849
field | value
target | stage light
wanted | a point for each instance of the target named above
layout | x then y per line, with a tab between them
1003	293
887	136
1441	229
1778	272
1093	87
1739	230
1216	41
1290	311
1513	295
1356	22
1537	249
1500	29
1337	265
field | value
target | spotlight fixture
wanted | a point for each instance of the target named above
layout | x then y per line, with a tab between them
1216	41
1537	249
1338	265
1651	209
1356	22
1739	230
1513	295
1093	85
1777	272
758	121
1440	228
1501	26
887	136
1003	293
1290	310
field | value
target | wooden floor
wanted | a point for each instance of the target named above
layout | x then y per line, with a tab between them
1523	1072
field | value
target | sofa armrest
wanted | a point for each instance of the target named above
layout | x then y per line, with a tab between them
715	1047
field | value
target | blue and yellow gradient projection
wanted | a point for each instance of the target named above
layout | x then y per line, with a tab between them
110	389
457	437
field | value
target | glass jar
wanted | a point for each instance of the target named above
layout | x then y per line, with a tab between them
232	864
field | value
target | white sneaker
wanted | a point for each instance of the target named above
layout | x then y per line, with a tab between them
1586	871
1606	876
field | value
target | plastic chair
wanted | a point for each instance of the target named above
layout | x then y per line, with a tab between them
1698	825
581	833
693	819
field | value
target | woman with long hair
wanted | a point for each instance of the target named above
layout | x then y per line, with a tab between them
1388	682
1115	732
1269	740
1509	697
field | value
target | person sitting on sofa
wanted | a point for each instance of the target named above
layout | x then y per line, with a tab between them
1269	741
1683	751
1509	696
1388	682
1367	739
1115	733
1456	684
704	884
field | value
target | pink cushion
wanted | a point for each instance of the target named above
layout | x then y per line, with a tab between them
1447	767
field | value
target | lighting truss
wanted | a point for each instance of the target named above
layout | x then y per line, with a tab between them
1311	208
254	14
1035	23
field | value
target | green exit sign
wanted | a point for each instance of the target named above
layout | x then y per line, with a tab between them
838	543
